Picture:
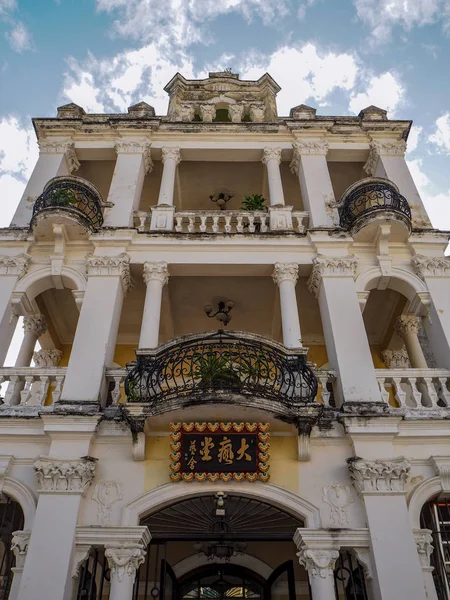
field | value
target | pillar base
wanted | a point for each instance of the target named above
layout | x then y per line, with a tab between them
162	217
280	218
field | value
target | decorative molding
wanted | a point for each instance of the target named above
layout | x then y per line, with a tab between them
207	112
64	476
338	497
136	147
156	271
285	272
186	112
35	324
235	112
312	147
379	148
318	563
81	554
424	544
406	324
73	164
271	154
435	266
106	493
111	266
171	154
442	468
379	475
325	266
396	359
364	556
124	559
61	147
47	358
19	546
14	265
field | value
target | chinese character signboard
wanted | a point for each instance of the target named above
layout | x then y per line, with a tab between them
225	451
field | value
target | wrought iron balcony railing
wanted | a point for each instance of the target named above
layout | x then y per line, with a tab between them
371	197
203	364
74	196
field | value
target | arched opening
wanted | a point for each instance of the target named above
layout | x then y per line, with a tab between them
435	516
11	520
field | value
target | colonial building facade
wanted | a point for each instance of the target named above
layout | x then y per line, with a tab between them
234	374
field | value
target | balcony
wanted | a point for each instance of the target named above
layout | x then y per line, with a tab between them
70	200
373	201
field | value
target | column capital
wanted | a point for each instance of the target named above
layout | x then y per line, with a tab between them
124	559
379	148
442	467
111	266
207	112
407	324
285	272
35	324
14	265
126	146
169	153
47	358
19	546
424	544
156	271
318	562
66	147
270	153
64	476
318	147
328	266
435	266
379	475
396	359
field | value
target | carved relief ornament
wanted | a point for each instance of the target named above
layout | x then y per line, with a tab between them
424	545
47	358
156	271
35	324
379	475
136	147
379	148
124	559
235	112
318	146
338	497
396	359
285	272
111	266
19	545
171	154
324	266
106	494
67	148
64	476
14	265
407	324
271	154
318	563
436	266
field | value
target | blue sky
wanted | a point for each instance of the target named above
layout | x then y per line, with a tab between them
336	55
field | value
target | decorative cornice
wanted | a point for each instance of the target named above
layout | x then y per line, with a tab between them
156	271
136	147
19	546
47	358
285	272
64	476
124	559
318	563
379	475
442	467
382	148
424	544
407	324
436	266
14	265
171	154
271	154
111	266
396	359
325	266
35	324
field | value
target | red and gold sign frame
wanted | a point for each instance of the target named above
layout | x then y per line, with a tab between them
219	451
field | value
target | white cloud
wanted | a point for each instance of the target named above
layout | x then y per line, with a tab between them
441	137
436	204
19	37
383	15
7	6
384	91
413	138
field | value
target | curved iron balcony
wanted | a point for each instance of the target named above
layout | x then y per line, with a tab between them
199	365
74	196
373	196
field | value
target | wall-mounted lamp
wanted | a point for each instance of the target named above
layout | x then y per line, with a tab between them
221	198
222	313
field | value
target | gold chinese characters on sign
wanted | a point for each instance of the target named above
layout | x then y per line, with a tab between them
219	451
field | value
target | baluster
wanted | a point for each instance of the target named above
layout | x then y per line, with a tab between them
300	224
251	223
142	218
326	395
11	396
239	225
431	391
41	394
263	219
228	223
203	223
215	225
56	394
417	396
444	394
25	394
179	223
191	226
400	395
116	391
383	391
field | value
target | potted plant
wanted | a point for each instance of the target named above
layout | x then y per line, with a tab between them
214	371
63	197
254	202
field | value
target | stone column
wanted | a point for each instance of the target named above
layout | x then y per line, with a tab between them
133	162
319	563
162	214
310	165
435	271
57	157
156	275
96	334
424	544
19	546
61	484
285	275
387	159
407	327
12	268
124	560
280	216
332	283
381	483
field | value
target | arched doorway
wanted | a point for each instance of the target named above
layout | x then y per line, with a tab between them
11	520
435	516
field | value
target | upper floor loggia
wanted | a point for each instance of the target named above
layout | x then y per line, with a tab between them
221	162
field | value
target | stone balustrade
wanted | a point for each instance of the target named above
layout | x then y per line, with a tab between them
31	386
415	388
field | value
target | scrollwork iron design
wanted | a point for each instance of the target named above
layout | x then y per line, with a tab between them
73	195
221	362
